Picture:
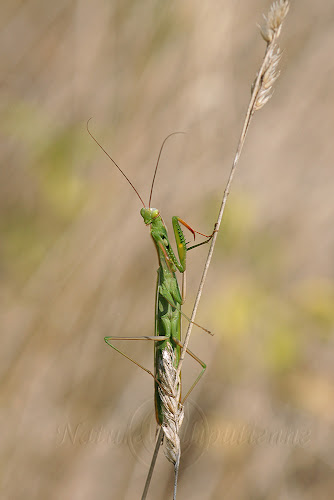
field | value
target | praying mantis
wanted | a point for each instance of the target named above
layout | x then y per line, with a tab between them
169	298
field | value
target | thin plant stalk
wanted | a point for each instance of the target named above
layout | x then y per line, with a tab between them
261	93
154	459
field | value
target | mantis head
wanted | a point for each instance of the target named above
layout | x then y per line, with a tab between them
149	214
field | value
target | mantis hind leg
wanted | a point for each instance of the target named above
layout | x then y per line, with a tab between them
156	338
170	300
203	365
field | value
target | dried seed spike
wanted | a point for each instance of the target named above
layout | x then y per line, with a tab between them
274	20
172	408
270	74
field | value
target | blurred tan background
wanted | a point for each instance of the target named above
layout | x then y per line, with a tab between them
77	262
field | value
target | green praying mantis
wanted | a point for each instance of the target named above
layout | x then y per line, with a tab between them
169	298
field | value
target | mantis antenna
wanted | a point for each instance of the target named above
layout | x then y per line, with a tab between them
156	167
119	168
124	175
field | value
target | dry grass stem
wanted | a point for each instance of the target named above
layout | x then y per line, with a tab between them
153	461
261	92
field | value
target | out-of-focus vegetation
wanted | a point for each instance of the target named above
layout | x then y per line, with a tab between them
77	262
